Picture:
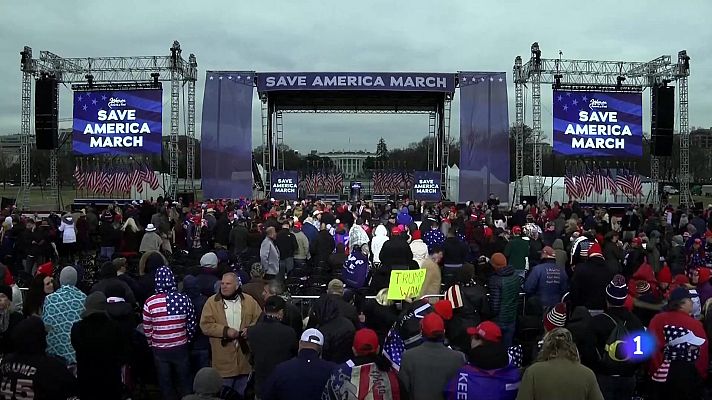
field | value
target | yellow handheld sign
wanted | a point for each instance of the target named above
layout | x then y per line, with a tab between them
405	284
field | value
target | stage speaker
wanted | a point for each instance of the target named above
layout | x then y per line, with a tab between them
46	110
662	121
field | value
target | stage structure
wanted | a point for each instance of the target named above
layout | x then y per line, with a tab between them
110	73
226	128
592	75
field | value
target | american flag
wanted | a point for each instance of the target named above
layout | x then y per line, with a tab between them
79	177
623	182
636	184
586	187
610	183
598	181
168	316
137	180
151	177
570	186
393	348
377	182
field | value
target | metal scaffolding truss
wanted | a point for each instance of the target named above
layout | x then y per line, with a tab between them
116	70
564	72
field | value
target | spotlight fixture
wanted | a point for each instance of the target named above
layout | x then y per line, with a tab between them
90	80
619	82
155	76
557	81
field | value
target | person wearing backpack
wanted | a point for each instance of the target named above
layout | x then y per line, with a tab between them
615	375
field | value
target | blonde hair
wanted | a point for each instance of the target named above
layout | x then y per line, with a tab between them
558	343
130	223
382	298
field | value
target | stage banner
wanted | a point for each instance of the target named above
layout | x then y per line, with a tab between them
117	122
285	185
394	81
598	124
226	135
484	136
426	186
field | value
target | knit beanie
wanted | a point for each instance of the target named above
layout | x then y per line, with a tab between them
95	303
498	261
444	309
665	275
454	295
642	287
207	382
555	318
68	276
209	260
617	291
7	291
595	251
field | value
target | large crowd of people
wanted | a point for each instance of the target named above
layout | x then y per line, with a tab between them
278	300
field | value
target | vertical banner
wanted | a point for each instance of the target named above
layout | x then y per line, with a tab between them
426	186
285	185
484	136
226	135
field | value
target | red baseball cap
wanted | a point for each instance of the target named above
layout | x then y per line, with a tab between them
396	230
432	325
698	241
298	225
415	235
517	230
487	331
365	342
637	240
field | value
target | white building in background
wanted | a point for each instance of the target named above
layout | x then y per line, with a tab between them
350	163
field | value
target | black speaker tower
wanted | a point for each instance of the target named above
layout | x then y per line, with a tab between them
662	121
46	112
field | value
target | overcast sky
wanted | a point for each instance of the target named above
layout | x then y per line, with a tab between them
365	35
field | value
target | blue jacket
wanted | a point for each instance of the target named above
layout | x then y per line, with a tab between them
548	282
355	271
474	383
310	232
302	377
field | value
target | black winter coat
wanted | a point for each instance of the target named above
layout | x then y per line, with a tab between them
338	331
271	342
222	230
322	247
101	351
588	284
475	308
454	251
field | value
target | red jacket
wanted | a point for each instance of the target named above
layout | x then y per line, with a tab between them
677	318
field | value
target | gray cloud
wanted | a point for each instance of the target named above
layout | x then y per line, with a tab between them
369	35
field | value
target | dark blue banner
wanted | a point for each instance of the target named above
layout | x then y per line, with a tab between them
285	185
226	135
598	124
416	82
426	186
120	122
484	136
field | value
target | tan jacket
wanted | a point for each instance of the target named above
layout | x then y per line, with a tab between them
433	279
228	359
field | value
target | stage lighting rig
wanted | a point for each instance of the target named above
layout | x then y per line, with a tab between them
155	76
619	82
90	80
557	81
